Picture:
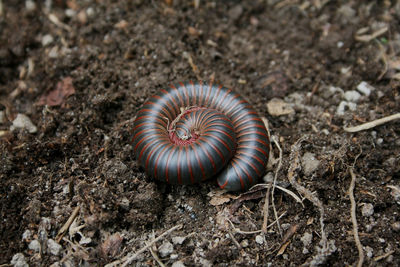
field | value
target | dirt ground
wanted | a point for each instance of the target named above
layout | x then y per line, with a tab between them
73	74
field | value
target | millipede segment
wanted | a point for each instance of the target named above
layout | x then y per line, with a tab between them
195	131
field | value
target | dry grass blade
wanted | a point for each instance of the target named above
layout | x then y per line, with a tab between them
372	124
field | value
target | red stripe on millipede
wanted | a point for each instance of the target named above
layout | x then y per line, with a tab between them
167	165
189	163
199	162
179	165
208	155
253	139
238	175
253	147
244	169
249	163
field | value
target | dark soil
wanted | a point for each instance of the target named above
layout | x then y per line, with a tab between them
80	70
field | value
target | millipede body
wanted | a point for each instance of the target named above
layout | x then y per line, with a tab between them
195	131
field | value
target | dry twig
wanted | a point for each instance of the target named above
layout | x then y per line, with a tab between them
326	248
66	226
266	205
372	124
354	219
129	258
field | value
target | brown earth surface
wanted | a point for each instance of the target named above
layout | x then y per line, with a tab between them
80	70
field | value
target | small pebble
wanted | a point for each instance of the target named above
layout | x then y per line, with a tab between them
30	5
369	251
166	249
90	11
244	243
269	177
53	247
352	96
47	39
34	245
23	122
173	256
178	264
325	131
2	117
367	209
259	239
396	226
381	240
178	240
379	141
18	260
70	12
306	239
365	88
27	235
309	163
341	109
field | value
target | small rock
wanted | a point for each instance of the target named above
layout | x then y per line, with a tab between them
277	107
235	12
90	11
309	163
178	264
23	122
367	209
381	240
173	256
53	53
345	105
70	12
325	131
259	239
244	243
165	249
34	245
2	117
53	247
352	96
396	226
18	260
27	235
30	5
365	88
379	141
269	177
306	239
369	251
47	39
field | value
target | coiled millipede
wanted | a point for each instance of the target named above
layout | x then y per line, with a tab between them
194	131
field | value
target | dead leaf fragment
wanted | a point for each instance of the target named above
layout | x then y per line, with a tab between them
219	200
278	107
59	95
111	246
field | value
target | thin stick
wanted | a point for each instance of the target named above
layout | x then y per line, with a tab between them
131	258
372	124
274	185
66	226
354	219
234	239
237	230
266	210
155	256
